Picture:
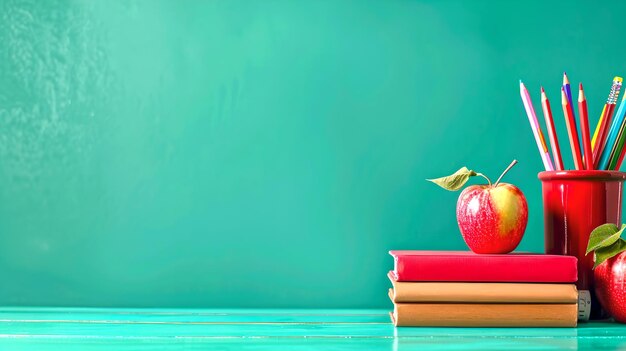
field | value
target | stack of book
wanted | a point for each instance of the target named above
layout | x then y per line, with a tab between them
463	289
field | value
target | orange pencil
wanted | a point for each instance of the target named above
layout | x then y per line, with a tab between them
554	141
584	128
571	130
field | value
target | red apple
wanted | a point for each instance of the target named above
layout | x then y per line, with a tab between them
492	219
610	286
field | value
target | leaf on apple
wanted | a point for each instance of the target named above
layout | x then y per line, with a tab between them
604	253
604	236
605	242
454	181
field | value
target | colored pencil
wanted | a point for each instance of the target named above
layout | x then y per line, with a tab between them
620	160
536	128
601	130
584	127
597	130
599	136
617	154
568	91
554	141
612	139
572	132
618	165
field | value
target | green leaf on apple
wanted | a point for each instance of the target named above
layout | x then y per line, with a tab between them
604	236
454	181
604	253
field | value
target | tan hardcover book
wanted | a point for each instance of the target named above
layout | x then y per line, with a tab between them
482	292
484	315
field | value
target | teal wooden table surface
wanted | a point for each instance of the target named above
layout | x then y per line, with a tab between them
252	329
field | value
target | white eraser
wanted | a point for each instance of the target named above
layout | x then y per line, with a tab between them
584	305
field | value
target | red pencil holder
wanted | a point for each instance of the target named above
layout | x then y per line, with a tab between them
574	204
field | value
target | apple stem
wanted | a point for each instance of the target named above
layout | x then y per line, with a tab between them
484	176
503	173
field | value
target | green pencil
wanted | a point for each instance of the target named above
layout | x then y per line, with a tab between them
617	149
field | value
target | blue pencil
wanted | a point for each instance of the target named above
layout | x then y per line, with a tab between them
612	136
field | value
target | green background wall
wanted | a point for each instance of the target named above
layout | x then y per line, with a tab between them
265	153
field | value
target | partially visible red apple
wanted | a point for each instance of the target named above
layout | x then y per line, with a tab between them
609	271
610	286
492	219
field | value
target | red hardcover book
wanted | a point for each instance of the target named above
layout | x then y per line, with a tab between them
465	266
